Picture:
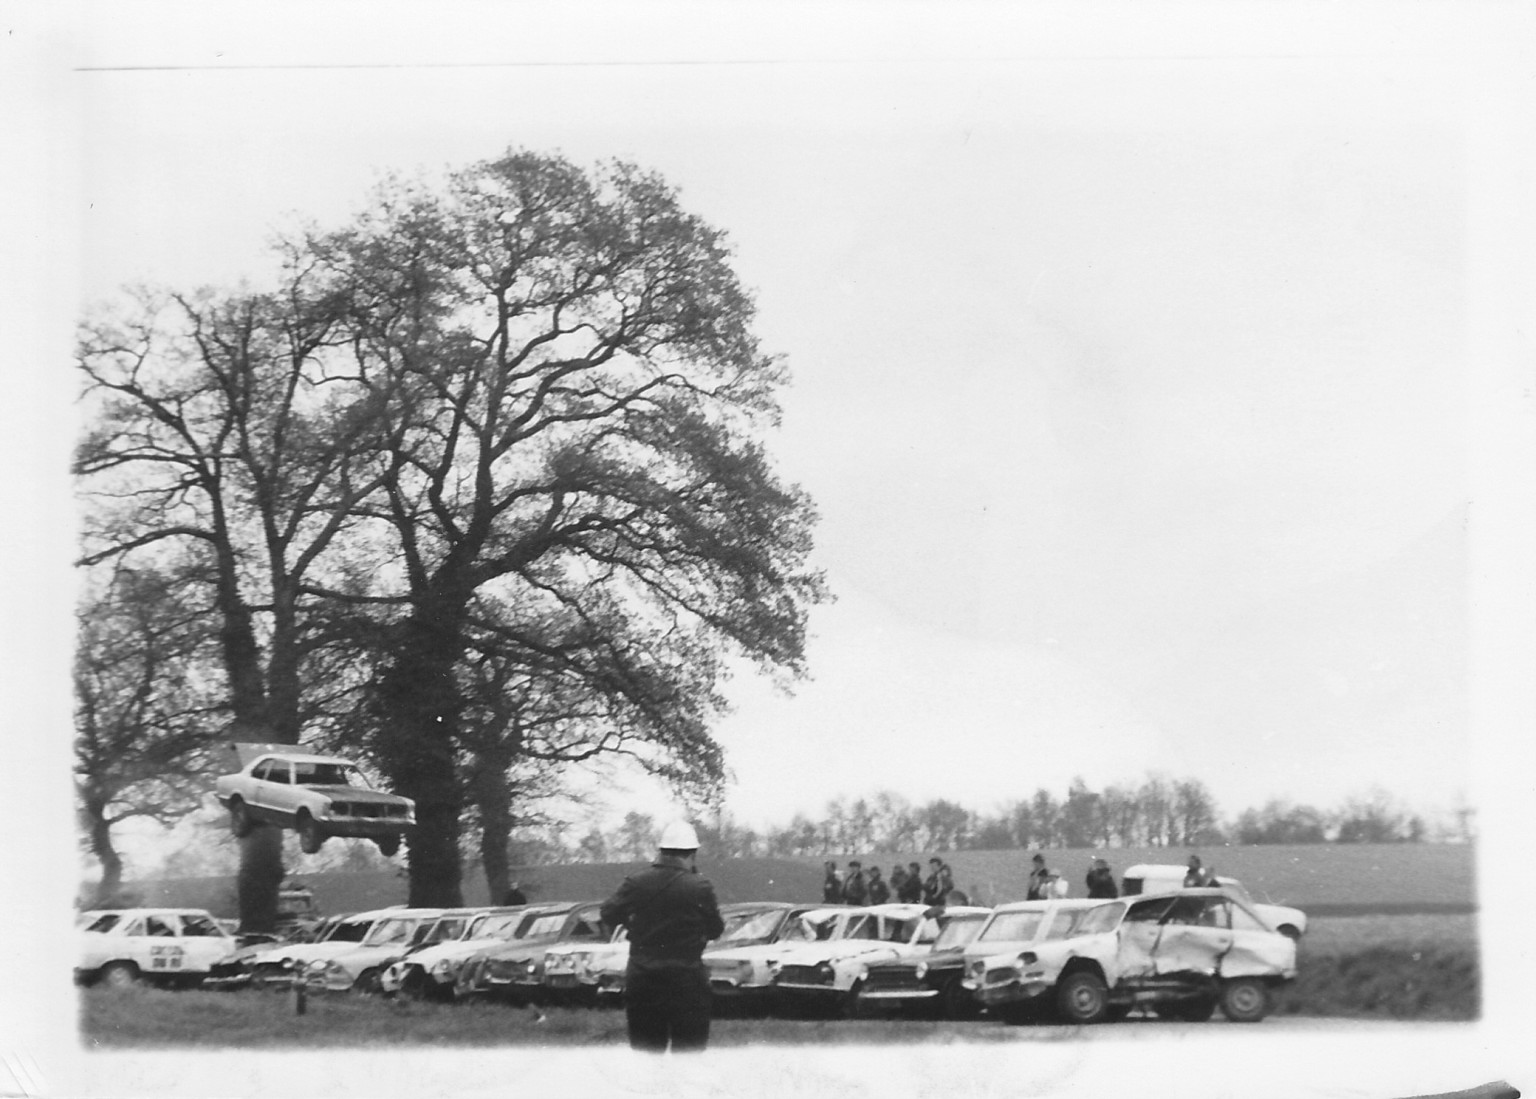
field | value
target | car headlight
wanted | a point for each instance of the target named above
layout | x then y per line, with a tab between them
978	968
1028	958
447	969
921	970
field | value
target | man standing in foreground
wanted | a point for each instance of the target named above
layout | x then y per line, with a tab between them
671	914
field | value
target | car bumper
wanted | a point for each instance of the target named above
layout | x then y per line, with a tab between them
371	828
898	995
1023	990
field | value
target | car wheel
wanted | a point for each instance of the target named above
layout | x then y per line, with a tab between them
240	822
368	982
120	975
389	846
956	1002
1082	998
1245	1000
310	836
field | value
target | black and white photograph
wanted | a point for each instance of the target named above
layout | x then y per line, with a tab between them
770	549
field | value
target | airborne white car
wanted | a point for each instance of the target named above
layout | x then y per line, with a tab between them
123	947
1148	878
317	796
823	970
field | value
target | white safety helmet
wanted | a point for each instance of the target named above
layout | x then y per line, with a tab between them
679	836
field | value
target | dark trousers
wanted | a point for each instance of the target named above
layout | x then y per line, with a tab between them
667	1006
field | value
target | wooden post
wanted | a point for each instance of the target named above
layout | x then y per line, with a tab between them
300	996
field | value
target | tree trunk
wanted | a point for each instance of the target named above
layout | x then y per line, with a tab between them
260	876
494	801
419	719
106	854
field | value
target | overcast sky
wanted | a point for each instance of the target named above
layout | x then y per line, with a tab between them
1133	391
1157	371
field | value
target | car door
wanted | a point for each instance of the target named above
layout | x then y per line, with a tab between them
1196	936
1138	937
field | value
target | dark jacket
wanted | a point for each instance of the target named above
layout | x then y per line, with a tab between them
879	892
855	890
670	911
1101	883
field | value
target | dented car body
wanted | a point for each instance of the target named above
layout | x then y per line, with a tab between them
1179	954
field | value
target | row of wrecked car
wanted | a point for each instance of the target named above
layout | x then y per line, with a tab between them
1179	954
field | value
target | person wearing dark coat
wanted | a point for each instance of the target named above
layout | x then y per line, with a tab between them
514	896
1101	880
879	892
937	888
671	913
831	885
855	889
911	891
1040	879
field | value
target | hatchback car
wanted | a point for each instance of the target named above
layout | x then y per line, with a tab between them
1179	954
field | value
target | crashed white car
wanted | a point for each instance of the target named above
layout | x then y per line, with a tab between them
1145	879
822	961
359	968
317	796
741	961
173	946
1179	954
431	971
277	966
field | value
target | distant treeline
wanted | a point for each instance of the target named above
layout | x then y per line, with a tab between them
1159	812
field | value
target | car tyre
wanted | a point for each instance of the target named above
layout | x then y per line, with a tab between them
310	835
1245	1000
120	975
956	1002
389	846
1082	998
240	822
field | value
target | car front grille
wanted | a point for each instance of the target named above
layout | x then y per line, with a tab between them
370	809
892	980
804	975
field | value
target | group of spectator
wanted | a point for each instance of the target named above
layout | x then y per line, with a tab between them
906	884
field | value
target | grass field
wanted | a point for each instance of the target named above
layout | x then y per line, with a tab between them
1324	879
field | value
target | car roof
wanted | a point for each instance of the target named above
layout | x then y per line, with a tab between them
150	912
1053	902
301	757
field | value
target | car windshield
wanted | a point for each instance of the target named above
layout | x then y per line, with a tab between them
548	924
1104	917
497	927
812	928
957	933
349	931
1019	926
744	927
327	774
386	932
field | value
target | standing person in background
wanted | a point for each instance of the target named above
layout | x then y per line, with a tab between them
879	892
514	895
898	882
940	882
671	913
1101	880
1040	879
1196	875
831	886
911	891
855	889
